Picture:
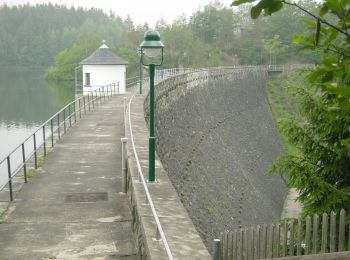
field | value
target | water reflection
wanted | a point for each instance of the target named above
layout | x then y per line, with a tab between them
26	101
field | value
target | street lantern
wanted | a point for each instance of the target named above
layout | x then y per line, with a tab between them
151	47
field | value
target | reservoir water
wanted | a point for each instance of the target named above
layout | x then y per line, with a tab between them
26	101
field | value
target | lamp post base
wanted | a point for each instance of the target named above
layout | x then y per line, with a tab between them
152	155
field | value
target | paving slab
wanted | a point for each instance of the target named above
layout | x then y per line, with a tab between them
73	207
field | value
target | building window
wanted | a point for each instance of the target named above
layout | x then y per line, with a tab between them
87	79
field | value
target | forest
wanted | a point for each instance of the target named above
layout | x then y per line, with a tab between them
58	37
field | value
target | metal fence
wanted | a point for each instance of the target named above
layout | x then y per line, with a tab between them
14	168
163	79
159	233
282	68
294	237
97	89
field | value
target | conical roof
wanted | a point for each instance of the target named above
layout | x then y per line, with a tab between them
103	56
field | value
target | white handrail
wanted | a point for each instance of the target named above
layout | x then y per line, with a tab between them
160	75
148	196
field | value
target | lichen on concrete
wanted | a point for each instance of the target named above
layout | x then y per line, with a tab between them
216	137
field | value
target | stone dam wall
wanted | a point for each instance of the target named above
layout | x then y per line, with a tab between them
216	137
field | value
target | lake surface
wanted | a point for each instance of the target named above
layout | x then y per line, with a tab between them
26	101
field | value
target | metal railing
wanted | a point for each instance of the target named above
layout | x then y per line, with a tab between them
160	75
282	68
160	235
100	88
192	75
25	156
149	201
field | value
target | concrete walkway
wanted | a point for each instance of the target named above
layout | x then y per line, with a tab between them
73	207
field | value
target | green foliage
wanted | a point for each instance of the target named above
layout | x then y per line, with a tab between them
274	47
67	60
321	131
283	103
132	57
214	36
33	35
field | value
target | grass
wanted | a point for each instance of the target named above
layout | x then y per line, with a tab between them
32	172
282	103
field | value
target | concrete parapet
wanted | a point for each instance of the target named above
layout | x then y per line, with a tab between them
183	239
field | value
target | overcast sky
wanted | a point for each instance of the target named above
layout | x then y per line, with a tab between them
141	11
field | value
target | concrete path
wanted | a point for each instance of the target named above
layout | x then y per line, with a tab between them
73	207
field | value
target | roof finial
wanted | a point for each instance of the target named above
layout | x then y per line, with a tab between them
104	46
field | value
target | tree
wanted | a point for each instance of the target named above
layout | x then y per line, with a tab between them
274	47
321	169
67	60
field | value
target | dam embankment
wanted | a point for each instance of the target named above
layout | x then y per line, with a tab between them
216	138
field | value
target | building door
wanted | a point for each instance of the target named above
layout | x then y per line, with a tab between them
87	79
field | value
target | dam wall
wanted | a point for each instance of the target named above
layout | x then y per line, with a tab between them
216	137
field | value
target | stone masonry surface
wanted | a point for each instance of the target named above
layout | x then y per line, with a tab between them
73	207
216	137
184	241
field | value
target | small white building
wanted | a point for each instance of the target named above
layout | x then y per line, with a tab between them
103	68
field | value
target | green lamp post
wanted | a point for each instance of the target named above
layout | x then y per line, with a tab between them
151	47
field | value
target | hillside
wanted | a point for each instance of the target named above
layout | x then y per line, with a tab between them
215	35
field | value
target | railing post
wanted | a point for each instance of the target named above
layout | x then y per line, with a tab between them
99	90
124	165
58	126
124	99
35	153
70	116
44	140
64	120
79	108
89	101
51	123
84	105
24	164
104	94
216	249
93	104
75	111
10	177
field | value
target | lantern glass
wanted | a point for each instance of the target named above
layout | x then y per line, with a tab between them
152	52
